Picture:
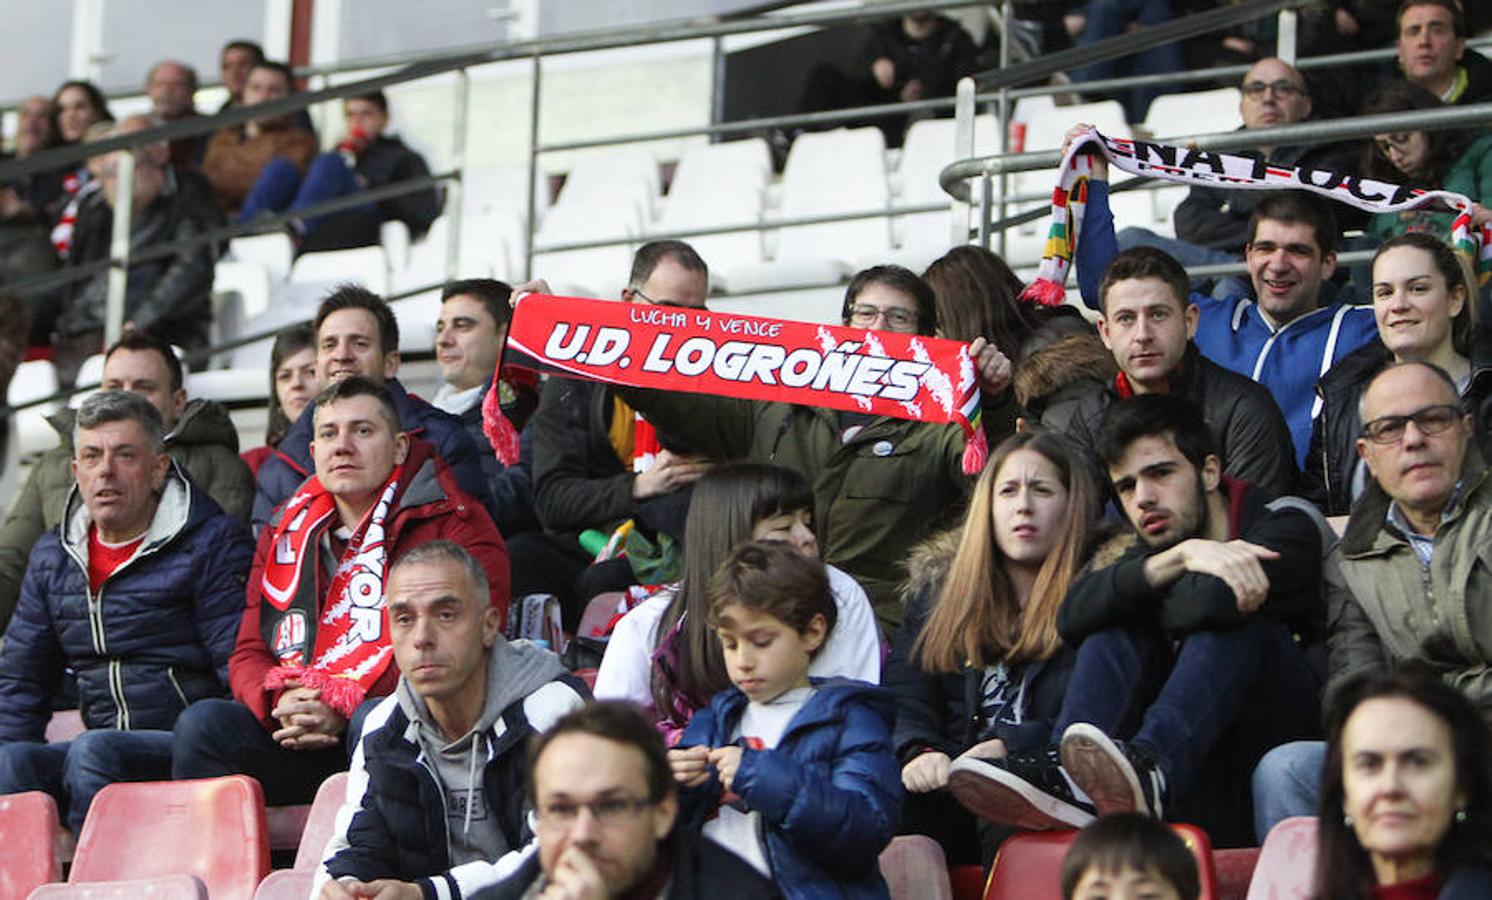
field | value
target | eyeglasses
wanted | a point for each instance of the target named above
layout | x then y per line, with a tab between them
663	302
863	315
608	812
1282	89
1429	420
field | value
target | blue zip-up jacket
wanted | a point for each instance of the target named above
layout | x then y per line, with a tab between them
290	464
154	639
1234	334
830	793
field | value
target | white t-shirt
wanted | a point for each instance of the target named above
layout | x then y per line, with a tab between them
852	651
741	831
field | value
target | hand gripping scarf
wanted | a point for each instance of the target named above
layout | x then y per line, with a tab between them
1188	165
347	636
882	373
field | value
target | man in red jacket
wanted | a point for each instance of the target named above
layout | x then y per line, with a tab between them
313	643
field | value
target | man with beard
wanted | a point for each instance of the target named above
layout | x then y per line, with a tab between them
1185	646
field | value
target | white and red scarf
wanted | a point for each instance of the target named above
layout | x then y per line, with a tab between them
340	647
1189	165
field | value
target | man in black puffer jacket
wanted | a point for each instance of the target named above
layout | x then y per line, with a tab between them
139	592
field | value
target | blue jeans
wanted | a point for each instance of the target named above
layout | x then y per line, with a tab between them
222	737
1107	18
280	188
1223	287
1287	782
1251	683
72	772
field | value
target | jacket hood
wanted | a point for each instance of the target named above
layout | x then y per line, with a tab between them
1074	358
204	423
928	562
177	507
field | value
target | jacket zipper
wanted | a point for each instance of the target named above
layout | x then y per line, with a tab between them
171	674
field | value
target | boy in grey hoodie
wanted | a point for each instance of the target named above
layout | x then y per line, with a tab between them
445	753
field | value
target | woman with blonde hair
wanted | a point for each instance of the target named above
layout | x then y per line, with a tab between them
978	667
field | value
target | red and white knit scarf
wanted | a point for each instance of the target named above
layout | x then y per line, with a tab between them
349	641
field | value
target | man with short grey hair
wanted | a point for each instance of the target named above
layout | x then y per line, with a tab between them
456	728
138	592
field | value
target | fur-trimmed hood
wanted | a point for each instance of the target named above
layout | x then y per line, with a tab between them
1074	358
928	562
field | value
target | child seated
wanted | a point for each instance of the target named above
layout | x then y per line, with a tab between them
794	774
1128	856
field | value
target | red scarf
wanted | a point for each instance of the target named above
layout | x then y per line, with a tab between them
347	636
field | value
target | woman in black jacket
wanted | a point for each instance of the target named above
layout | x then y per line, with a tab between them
1425	312
978	666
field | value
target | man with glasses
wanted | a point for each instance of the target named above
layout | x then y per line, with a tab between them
435	797
597	463
604	797
1414	589
1212	224
880	484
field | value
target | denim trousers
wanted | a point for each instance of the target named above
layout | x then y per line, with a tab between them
73	771
1250	684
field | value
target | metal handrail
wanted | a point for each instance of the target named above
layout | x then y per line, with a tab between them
955	175
1125	44
260	225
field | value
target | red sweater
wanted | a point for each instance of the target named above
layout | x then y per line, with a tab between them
454	516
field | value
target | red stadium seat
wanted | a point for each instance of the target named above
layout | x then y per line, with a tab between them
286	884
1235	869
1287	862
967	881
28	824
1029	865
322	821
165	887
213	828
915	869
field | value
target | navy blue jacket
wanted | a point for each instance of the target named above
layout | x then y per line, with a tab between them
155	638
290	464
830	794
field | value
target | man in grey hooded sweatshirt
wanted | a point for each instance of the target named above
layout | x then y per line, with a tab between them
435	796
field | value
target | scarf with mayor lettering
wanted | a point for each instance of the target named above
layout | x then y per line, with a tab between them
340	646
905	376
1188	165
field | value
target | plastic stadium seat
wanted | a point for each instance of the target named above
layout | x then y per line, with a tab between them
211	828
424	262
1287	862
1235	869
967	882
322	821
827	173
718	186
368	266
28	823
610	174
240	291
164	887
273	251
1197	112
286	884
229	386
929	148
33	380
915	869
1028	866
417	315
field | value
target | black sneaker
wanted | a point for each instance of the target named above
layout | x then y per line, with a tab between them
1026	791
1118	777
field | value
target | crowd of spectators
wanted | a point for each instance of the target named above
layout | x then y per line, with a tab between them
190	186
1223	565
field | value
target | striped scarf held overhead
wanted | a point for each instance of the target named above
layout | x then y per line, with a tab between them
1189	165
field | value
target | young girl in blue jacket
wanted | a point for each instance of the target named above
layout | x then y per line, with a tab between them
797	775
